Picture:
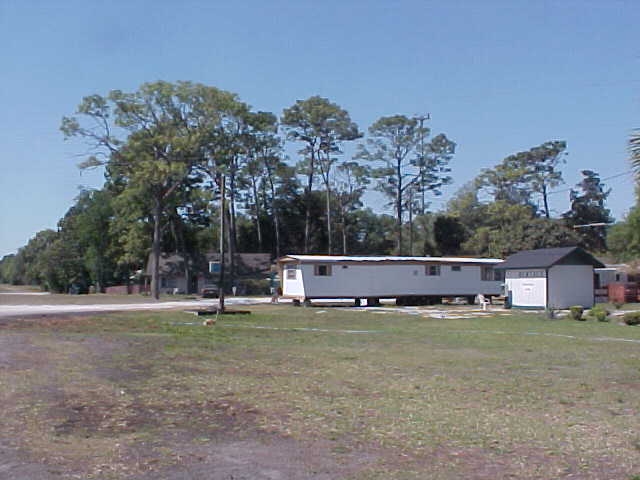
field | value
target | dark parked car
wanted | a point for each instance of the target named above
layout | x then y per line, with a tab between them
209	291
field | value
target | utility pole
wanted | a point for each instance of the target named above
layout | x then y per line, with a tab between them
411	220
421	119
221	178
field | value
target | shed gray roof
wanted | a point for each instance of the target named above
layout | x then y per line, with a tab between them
547	257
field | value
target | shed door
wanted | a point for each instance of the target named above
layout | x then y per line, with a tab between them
533	293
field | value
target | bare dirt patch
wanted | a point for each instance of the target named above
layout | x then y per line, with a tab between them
74	416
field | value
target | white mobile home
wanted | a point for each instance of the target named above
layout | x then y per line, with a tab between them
407	279
550	278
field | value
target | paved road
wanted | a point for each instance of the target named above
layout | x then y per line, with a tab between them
24	310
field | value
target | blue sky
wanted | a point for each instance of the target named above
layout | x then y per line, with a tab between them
497	77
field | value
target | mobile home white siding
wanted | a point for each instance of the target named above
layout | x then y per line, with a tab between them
292	281
571	285
387	279
392	280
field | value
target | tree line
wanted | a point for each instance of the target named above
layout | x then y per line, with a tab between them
168	148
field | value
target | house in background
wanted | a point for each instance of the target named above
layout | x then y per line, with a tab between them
410	280
176	277
550	278
612	274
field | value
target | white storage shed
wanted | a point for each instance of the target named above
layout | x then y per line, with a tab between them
407	279
550	278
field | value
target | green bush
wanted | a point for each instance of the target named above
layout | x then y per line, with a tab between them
631	318
599	313
576	312
252	286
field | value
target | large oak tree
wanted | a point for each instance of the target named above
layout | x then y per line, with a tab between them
149	140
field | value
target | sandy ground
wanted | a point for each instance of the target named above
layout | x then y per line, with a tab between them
22	304
12	305
17	303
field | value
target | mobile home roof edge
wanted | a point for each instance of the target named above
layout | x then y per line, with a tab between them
374	259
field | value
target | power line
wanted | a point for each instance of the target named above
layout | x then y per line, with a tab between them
564	190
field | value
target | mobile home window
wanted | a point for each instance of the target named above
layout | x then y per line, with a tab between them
432	270
291	273
488	274
456	268
322	270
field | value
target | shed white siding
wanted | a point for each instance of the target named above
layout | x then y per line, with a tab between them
557	277
561	286
527	288
570	285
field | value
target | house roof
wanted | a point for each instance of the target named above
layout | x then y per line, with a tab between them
171	264
246	263
616	267
385	259
548	257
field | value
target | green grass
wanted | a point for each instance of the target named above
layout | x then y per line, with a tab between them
539	398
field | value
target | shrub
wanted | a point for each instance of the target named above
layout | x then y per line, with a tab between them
252	286
576	312
631	318
599	313
618	305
